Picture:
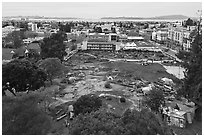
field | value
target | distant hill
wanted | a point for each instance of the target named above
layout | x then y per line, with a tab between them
39	17
168	17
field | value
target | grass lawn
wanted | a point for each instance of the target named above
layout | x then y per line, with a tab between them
150	72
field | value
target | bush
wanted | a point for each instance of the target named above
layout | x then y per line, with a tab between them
107	85
133	122
87	104
19	73
122	100
22	116
96	123
155	99
143	122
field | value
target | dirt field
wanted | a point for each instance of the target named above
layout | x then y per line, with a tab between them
150	72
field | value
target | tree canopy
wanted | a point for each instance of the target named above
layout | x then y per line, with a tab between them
22	116
19	73
15	38
192	62
53	46
132	122
52	66
65	28
189	22
87	103
155	99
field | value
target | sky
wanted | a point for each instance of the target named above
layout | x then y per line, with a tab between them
96	10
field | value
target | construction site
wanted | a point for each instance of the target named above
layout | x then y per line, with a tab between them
111	81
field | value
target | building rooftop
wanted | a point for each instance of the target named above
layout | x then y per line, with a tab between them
135	37
144	44
100	43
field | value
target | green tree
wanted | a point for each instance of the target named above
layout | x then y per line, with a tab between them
132	122
98	29
87	104
22	116
189	22
155	99
15	38
143	122
19	73
96	123
65	28
192	62
30	34
52	66
53	46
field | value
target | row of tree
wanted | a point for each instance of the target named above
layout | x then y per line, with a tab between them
192	62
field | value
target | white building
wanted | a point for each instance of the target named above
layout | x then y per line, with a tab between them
32	26
162	36
186	40
134	38
129	45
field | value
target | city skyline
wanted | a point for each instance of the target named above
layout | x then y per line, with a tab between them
96	10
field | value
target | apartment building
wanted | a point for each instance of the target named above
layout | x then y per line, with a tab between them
186	40
32	26
160	35
180	37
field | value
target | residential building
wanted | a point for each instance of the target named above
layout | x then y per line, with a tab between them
161	36
32	26
101	46
98	36
154	35
186	40
30	40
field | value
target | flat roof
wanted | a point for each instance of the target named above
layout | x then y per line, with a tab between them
135	37
100	43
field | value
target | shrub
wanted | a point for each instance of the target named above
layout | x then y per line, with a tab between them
133	122
107	85
21	72
21	116
122	100
87	104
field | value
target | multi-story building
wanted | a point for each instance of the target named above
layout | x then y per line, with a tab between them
160	35
186	40
32	26
179	37
107	46
98	36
